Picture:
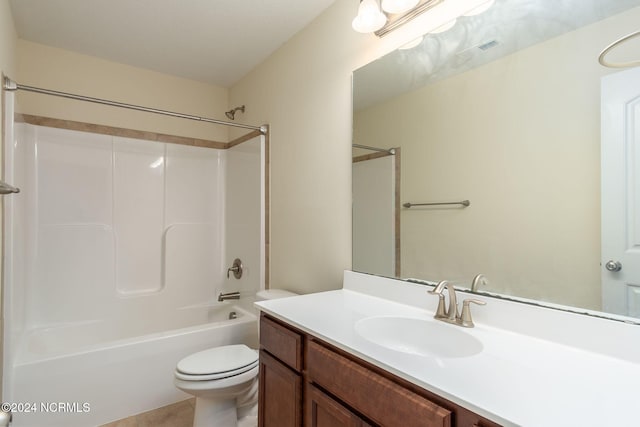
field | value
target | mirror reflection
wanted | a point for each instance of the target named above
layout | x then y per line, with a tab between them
512	111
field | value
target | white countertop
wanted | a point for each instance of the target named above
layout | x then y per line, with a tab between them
516	380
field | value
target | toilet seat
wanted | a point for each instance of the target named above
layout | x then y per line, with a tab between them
215	376
217	363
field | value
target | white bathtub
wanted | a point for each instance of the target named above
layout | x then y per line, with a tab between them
104	371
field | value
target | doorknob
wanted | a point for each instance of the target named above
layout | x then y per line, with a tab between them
613	265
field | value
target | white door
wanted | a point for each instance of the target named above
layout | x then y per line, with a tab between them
621	192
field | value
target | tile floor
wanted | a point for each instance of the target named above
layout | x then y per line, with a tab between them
176	415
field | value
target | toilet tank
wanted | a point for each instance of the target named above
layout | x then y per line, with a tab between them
267	294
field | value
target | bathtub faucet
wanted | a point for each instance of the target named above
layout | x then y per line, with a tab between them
228	295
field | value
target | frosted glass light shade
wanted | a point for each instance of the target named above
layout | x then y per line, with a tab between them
398	6
370	18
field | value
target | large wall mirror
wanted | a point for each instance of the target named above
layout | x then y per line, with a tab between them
512	111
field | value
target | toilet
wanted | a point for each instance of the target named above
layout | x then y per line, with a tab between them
224	380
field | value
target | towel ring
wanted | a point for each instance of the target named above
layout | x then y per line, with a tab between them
607	49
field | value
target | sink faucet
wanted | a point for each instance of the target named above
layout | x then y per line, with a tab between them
228	295
451	314
480	279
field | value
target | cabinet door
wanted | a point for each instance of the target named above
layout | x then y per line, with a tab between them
280	394
322	411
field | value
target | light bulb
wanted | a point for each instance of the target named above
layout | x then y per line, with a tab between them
370	18
481	8
398	6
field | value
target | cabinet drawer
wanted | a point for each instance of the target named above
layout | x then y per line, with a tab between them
281	342
383	401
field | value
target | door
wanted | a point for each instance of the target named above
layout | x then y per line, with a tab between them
620	173
280	395
323	411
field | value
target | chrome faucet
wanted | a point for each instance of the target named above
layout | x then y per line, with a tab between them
228	295
451	314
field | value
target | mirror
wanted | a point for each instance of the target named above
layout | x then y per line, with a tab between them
504	110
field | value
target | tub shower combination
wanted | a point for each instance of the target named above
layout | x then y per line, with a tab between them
116	251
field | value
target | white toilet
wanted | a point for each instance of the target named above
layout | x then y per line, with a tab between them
224	380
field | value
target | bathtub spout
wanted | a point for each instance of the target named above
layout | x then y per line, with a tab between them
228	295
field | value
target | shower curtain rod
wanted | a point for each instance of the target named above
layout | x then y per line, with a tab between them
382	150
10	85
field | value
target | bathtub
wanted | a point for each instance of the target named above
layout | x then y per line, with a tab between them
98	371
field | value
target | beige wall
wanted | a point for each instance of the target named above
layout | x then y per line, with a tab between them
520	138
8	40
304	92
62	70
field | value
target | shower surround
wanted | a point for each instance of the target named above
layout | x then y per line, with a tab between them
116	249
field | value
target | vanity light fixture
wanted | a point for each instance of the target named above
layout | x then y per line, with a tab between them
398	6
380	19
383	16
369	18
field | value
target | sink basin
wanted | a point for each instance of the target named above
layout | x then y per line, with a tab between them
418	336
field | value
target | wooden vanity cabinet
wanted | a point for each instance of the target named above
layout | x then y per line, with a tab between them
323	411
280	379
307	382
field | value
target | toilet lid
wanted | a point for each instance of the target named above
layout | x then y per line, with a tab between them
241	374
219	360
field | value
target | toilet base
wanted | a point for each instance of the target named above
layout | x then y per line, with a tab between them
236	408
224	414
248	417
215	413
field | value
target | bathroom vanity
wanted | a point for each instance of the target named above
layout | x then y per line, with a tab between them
372	354
306	381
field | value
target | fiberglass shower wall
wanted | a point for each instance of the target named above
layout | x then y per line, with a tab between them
374	216
245	218
109	228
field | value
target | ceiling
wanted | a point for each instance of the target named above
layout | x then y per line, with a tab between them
212	41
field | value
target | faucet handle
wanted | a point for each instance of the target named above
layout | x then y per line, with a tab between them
465	317
236	268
